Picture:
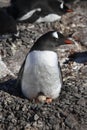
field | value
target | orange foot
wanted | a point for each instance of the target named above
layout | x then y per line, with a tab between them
43	99
48	100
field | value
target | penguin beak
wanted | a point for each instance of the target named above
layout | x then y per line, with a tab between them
69	10
67	41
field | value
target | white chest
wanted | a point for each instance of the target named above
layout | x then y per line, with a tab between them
41	74
49	18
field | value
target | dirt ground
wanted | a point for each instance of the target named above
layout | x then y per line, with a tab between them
69	111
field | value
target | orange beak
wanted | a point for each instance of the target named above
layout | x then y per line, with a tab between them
67	41
69	11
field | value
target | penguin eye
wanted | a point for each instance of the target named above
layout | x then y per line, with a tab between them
62	5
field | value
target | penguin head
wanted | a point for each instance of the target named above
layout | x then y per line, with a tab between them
64	8
50	41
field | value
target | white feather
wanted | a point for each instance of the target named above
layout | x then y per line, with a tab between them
62	5
41	74
29	14
55	35
49	18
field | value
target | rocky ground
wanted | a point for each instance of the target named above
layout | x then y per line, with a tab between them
69	111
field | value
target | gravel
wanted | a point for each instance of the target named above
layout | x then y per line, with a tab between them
69	111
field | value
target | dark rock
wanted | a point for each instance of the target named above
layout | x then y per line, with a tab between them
82	102
70	121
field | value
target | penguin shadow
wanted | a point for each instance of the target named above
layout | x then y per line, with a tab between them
10	87
78	57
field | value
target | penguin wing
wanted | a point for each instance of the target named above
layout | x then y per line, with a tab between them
20	74
30	19
60	74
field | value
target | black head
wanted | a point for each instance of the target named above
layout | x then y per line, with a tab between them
64	8
50	41
59	7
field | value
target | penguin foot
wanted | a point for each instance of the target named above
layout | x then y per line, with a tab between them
43	99
48	100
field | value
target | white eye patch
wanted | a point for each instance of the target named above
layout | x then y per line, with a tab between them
62	5
55	35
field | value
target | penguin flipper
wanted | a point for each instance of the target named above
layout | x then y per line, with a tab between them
18	83
60	74
31	19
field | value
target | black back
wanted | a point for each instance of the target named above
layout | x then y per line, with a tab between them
7	23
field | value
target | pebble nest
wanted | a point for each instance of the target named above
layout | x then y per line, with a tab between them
69	110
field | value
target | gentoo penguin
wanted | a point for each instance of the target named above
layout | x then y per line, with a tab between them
7	24
40	74
37	10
